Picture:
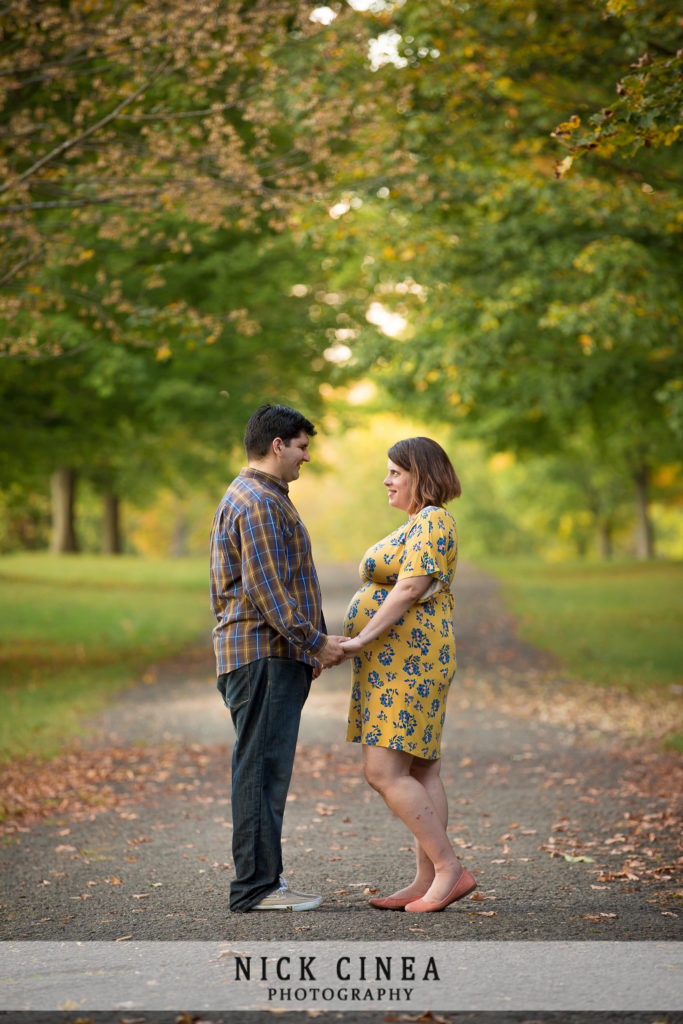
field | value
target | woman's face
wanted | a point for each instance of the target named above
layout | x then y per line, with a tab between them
398	485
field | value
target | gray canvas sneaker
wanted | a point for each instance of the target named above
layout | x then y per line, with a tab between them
284	898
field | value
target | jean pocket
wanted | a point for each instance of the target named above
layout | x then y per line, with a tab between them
235	688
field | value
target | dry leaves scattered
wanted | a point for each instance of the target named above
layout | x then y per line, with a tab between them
547	697
638	845
82	783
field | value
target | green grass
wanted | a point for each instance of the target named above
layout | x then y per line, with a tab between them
75	630
616	625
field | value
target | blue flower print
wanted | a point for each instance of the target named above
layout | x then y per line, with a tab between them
366	715
408	721
386	655
404	677
418	638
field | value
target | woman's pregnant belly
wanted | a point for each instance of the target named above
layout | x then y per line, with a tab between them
363	606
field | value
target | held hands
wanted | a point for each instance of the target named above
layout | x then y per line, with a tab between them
332	653
352	646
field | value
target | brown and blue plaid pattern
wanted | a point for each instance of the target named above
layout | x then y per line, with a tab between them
264	587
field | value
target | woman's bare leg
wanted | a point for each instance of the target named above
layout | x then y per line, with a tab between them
416	796
429	774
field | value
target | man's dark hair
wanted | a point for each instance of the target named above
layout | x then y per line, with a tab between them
271	421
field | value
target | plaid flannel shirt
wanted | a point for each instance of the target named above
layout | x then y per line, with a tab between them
264	587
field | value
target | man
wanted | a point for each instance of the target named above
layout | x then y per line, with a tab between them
269	642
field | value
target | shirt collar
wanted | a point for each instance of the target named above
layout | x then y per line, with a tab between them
250	473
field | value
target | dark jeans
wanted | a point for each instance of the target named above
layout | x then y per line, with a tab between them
265	699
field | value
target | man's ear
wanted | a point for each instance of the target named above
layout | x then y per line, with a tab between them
277	445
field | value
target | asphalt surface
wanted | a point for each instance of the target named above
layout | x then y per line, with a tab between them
565	816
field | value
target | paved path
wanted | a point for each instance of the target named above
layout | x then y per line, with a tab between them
570	828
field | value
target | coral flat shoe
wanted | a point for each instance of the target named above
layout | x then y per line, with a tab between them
392	902
465	884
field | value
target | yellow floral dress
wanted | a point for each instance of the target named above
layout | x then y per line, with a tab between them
401	679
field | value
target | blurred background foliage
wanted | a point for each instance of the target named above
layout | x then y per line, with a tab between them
400	216
427	217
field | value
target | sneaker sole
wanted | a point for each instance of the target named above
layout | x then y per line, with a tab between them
291	907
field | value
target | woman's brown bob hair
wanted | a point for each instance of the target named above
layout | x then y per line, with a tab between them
434	481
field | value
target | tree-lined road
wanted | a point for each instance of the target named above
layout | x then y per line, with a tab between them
571	831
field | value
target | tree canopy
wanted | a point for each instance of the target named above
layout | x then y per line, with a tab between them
542	315
207	205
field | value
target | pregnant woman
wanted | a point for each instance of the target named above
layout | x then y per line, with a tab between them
401	641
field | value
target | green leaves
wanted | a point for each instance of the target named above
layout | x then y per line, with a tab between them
645	109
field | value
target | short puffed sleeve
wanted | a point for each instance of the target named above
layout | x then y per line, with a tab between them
431	546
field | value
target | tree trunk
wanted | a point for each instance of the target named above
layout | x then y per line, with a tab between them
605	540
63	490
111	525
645	535
179	538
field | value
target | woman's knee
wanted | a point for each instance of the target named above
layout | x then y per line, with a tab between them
375	777
383	767
425	771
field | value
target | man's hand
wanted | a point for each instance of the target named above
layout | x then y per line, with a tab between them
332	653
351	647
